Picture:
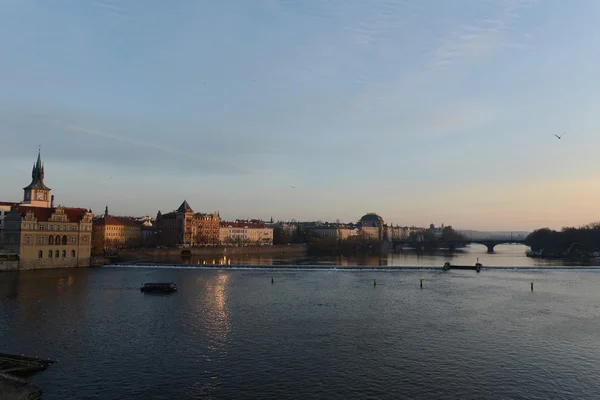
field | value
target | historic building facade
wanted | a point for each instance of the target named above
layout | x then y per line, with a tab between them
245	232
184	227
372	227
5	207
110	232
45	236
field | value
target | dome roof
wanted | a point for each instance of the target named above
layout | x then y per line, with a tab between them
371	219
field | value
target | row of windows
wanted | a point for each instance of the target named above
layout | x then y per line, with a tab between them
52	239
56	254
120	228
51	227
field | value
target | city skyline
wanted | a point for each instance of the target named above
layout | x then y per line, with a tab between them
423	115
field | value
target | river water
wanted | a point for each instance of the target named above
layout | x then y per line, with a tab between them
503	256
232	334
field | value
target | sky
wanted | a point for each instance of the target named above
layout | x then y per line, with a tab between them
424	111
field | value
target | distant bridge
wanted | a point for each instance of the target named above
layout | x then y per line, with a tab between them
454	244
491	243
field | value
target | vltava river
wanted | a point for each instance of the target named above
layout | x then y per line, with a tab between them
232	334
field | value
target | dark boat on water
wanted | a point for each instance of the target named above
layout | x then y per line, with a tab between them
160	287
447	266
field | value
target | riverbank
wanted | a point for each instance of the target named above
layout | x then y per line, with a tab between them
12	368
139	255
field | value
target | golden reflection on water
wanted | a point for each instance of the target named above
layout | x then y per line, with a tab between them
215	314
61	283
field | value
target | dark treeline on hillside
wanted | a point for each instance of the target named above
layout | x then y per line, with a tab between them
425	239
568	241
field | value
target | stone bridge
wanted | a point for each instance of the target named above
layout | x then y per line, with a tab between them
452	245
491	243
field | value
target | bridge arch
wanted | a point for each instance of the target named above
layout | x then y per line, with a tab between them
491	244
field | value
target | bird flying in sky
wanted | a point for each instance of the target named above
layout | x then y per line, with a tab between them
560	137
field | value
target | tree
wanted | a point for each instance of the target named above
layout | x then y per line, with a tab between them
280	236
450	235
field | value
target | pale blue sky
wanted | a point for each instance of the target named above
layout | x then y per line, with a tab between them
420	110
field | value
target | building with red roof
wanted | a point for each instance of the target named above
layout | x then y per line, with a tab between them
110	232
45	236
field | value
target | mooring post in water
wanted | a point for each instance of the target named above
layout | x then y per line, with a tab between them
421	283
531	286
374	282
272	279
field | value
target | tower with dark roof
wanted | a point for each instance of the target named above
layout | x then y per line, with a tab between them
185	208
37	194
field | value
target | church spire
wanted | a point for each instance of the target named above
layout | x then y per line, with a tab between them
38	164
106	211
37	175
36	193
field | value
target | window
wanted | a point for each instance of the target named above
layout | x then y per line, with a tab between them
49	253
57	240
74	239
50	239
72	253
57	253
51	227
40	254
40	240
64	253
64	239
27	239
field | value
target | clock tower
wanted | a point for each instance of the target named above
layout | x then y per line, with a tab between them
36	194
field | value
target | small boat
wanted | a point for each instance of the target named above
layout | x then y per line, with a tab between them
163	287
447	266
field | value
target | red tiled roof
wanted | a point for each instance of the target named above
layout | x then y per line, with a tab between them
110	220
44	213
237	224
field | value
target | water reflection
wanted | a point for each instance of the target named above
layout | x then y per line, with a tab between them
505	255
211	309
61	283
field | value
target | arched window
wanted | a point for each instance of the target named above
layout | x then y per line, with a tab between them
40	254
51	239
57	240
72	253
57	254
49	253
64	239
64	254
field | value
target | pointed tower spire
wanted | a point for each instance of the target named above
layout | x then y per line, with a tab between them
36	193
106	211
38	163
185	207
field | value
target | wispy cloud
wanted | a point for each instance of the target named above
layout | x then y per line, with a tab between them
112	7
482	37
216	161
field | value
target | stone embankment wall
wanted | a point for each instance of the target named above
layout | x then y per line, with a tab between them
9	266
136	254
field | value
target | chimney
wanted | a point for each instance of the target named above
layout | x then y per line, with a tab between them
52	201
